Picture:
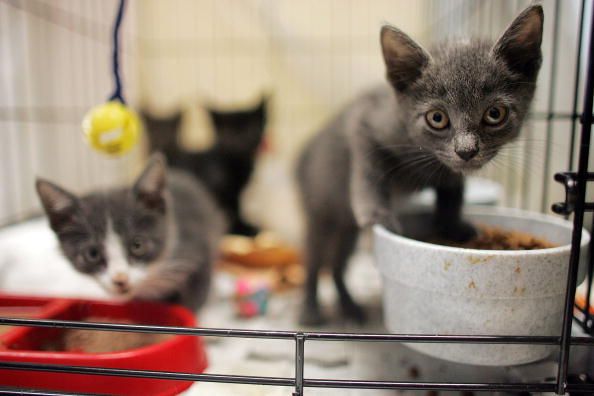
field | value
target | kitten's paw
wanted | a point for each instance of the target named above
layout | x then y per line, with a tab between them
392	223
363	219
367	217
354	312
365	213
311	316
459	231
146	294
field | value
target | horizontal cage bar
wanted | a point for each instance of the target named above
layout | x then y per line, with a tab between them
279	381
165	375
34	392
312	336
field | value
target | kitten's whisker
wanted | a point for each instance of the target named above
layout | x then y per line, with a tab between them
521	169
555	149
410	160
404	149
418	164
426	177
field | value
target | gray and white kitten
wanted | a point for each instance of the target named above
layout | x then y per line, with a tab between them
444	113
154	241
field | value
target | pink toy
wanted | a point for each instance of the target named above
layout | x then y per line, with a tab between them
251	300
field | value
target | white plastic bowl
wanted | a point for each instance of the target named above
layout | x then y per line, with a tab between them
434	289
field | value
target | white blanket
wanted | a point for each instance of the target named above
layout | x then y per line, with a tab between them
31	263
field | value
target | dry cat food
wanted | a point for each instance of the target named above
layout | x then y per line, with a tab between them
16	312
5	329
96	341
495	238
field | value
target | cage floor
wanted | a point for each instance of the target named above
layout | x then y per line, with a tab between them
337	360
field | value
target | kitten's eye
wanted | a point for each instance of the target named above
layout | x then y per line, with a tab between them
93	255
437	119
495	115
138	247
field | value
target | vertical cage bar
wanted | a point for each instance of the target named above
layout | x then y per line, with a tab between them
550	108
299	362
588	325
576	87
578	219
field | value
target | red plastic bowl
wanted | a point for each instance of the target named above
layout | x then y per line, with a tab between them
22	344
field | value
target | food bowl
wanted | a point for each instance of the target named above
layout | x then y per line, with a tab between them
434	289
30	344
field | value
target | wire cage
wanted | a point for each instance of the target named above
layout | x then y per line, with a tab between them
573	179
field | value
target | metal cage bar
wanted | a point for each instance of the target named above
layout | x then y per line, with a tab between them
311	336
578	219
587	323
33	392
576	85
299	382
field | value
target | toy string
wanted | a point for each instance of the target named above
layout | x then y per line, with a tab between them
117	94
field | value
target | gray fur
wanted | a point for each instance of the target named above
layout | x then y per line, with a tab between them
173	216
363	164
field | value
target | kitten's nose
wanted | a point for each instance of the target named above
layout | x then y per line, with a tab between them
466	145
120	280
467	154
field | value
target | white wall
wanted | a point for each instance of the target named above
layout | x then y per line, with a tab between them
311	55
54	66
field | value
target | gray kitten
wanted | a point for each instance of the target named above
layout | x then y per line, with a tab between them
441	116
154	241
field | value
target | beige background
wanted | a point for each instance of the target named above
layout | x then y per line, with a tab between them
309	56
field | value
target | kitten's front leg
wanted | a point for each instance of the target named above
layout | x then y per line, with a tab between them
163	284
369	200
448	212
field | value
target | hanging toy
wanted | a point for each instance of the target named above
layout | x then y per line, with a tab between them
113	128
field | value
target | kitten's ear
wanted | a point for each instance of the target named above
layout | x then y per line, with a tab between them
519	46
213	113
58	203
264	102
145	114
150	185
404	58
176	117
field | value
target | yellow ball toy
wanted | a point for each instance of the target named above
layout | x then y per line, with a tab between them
111	128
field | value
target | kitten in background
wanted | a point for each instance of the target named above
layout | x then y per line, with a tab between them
444	114
156	240
226	168
163	134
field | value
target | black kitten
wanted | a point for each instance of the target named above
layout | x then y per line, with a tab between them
226	167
